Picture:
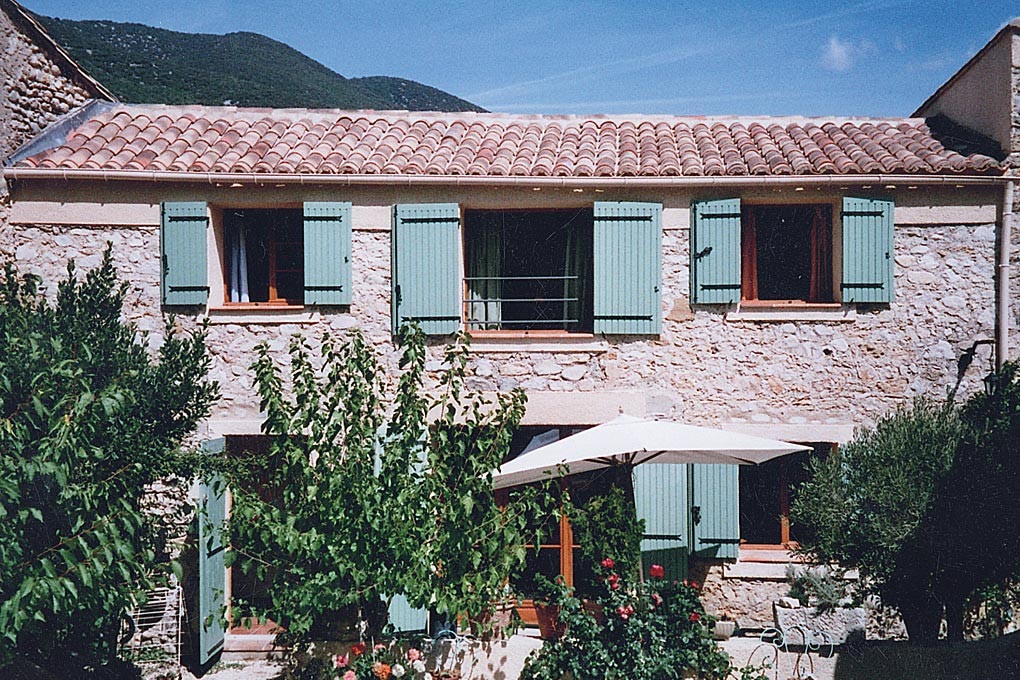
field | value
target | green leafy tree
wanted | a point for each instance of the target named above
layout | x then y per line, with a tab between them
867	504
927	506
367	492
90	419
970	537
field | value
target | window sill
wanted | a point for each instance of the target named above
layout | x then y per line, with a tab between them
536	341
792	311
262	314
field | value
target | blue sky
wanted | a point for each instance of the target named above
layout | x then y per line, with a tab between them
867	58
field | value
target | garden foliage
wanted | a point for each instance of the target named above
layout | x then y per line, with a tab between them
90	418
374	489
926	506
607	526
655	629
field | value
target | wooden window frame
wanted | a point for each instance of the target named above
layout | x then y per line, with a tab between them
511	333
786	541
275	302
834	206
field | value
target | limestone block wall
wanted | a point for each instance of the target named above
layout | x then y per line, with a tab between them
35	91
704	368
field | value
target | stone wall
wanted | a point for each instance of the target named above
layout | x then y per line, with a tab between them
703	368
35	91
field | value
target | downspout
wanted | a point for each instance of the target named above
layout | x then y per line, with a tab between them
1002	311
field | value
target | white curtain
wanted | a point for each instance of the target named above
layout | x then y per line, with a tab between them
238	257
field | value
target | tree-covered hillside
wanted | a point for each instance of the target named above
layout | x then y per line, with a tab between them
140	63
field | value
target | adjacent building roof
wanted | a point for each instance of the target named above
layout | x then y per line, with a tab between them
150	139
70	68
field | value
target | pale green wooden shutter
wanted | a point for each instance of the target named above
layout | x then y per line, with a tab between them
628	268
212	504
867	250
715	510
327	253
715	251
426	267
182	240
660	495
406	619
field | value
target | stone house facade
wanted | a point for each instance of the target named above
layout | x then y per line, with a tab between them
791	278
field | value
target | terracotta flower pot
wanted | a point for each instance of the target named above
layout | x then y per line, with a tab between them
549	625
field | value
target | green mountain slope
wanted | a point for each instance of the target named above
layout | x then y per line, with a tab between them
140	63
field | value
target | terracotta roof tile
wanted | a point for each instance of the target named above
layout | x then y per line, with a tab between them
289	141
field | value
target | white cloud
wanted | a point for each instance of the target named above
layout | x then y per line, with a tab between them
842	55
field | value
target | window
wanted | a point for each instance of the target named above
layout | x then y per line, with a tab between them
264	256
793	252
766	492
786	253
528	270
595	269
271	257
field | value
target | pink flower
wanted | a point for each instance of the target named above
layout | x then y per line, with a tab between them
622	611
694	584
695	616
350	675
608	563
614	581
656	600
340	660
656	571
379	647
413	655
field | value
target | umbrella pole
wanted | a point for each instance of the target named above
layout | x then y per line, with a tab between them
627	472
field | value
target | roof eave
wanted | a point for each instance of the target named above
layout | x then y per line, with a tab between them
262	179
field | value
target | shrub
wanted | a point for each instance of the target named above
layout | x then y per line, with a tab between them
91	417
608	526
926	505
654	629
822	587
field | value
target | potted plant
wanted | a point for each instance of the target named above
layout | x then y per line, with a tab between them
818	605
549	599
724	628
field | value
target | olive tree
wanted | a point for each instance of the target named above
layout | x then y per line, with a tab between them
926	505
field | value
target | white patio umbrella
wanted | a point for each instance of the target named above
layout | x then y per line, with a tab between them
629	441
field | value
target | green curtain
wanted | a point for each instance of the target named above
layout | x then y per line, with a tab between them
578	263
484	251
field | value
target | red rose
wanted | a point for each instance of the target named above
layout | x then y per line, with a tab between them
622	611
656	571
695	616
608	563
694	584
358	648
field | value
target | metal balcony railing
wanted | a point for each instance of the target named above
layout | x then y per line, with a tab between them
529	302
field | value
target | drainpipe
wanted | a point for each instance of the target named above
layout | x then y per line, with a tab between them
1002	311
